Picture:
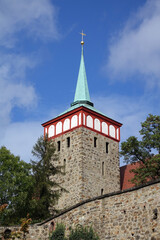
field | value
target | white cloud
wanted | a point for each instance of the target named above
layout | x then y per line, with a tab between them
20	137
12	75
21	19
137	47
37	17
14	92
126	110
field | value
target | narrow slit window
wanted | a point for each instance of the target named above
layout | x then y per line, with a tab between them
95	142
102	168
68	142
64	163
59	145
102	191
107	145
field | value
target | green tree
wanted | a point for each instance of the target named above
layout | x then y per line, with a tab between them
134	150
59	233
151	132
78	233
148	170
46	190
15	183
83	233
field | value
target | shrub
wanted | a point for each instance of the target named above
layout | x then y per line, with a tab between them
78	233
83	233
59	233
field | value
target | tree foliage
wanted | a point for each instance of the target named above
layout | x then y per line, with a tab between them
15	183
151	132
148	170
46	190
77	233
29	187
83	233
133	150
59	233
142	151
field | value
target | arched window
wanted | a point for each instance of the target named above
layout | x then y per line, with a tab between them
112	131
97	124
89	121
51	131
117	133
104	128
74	121
58	127
66	124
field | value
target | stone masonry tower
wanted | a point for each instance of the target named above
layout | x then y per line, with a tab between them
87	142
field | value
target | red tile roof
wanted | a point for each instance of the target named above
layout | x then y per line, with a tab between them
126	175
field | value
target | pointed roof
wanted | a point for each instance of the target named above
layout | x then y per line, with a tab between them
82	97
82	91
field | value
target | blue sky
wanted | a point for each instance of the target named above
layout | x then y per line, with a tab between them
40	56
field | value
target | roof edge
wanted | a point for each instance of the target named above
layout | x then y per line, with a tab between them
65	114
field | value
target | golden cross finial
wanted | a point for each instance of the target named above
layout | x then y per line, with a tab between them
83	34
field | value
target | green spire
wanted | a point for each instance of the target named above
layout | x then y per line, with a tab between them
82	93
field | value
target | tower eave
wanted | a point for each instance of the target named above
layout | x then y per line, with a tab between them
88	109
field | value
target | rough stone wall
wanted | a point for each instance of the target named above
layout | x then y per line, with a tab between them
130	215
84	178
94	159
72	180
35	232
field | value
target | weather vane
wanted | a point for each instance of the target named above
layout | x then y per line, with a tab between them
83	34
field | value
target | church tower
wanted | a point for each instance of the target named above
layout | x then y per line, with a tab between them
87	142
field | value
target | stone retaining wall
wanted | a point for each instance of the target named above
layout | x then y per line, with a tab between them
129	215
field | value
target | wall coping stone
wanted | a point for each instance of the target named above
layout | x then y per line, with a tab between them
99	198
